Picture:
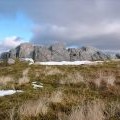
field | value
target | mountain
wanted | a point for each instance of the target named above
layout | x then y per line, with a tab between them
56	52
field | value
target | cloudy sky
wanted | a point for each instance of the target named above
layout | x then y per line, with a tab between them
72	22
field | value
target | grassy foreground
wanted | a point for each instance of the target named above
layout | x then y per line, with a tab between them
85	92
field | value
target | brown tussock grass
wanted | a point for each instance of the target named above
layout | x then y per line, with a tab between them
72	78
86	111
103	80
41	106
25	72
113	110
49	70
56	97
34	107
4	80
24	79
12	113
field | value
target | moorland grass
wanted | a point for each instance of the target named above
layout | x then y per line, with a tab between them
85	92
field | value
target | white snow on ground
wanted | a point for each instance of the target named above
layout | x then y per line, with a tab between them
30	60
69	63
34	82
8	92
35	85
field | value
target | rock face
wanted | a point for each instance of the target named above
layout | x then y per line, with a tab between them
118	55
90	53
74	54
87	53
22	51
5	55
56	52
59	53
42	54
25	51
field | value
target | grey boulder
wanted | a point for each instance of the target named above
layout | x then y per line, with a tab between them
42	53
59	53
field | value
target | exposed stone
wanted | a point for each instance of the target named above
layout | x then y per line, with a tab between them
118	55
25	50
90	53
10	61
12	53
74	54
59	53
42	54
5	55
56	52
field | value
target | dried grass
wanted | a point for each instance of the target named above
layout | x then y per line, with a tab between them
86	111
73	78
37	74
34	108
110	80
56	97
52	71
25	79
25	72
113	110
4	80
103	80
12	113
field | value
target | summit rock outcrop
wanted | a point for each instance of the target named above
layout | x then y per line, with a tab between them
56	52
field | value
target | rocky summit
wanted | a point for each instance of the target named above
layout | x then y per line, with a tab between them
56	52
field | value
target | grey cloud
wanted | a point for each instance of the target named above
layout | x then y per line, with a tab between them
92	22
105	42
63	11
102	35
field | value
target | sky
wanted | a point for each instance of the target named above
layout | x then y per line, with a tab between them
72	22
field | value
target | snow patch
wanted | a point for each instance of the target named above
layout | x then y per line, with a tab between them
35	85
34	82
69	63
30	60
8	92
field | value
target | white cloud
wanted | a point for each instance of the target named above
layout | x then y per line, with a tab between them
10	42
